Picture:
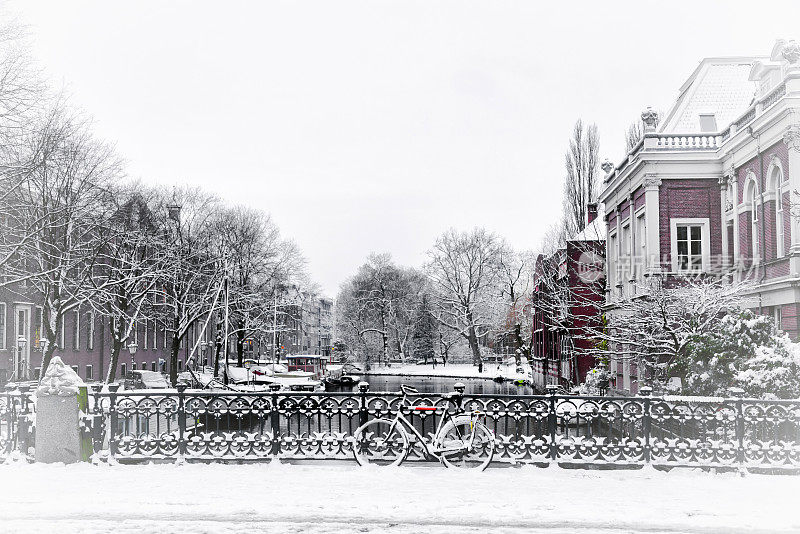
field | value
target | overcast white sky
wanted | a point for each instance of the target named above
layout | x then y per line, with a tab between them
376	125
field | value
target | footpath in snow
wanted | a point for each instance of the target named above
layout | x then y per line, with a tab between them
326	497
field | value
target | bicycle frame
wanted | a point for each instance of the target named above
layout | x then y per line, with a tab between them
429	452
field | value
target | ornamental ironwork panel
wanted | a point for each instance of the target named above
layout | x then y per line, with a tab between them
17	421
670	431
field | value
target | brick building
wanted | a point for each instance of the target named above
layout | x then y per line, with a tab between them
567	297
85	342
709	189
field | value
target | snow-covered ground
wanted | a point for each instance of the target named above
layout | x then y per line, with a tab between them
326	497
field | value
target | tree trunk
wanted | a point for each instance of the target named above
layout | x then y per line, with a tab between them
526	351
385	348
476	350
217	350
173	360
116	347
239	348
46	357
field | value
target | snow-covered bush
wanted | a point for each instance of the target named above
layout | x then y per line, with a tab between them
773	371
745	351
711	361
592	384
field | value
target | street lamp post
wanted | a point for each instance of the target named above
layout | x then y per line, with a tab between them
19	368
203	347
132	346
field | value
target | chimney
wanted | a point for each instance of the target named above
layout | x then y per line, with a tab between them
591	212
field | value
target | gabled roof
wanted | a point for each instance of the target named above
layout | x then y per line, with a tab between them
721	86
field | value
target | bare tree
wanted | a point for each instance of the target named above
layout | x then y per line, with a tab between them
516	271
192	272
259	262
580	184
67	199
633	135
655	329
463	271
379	302
128	268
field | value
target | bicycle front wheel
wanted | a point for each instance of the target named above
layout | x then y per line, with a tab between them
380	442
466	451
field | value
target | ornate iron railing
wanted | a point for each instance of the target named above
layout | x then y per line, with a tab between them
678	431
17	421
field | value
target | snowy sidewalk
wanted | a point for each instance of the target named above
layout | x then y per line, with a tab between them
327	497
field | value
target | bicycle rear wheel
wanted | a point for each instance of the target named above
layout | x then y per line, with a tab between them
380	442
456	433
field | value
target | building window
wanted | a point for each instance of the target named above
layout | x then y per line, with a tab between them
146	333
641	244
76	330
776	180
778	318
612	260
62	336
153	366
38	321
90	331
155	333
690	245
708	123
2	325
752	198
124	369
89	374
75	368
180	365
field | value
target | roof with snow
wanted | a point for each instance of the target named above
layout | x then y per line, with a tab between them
594	231
719	87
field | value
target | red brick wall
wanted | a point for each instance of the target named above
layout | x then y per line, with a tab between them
689	199
767	217
638	199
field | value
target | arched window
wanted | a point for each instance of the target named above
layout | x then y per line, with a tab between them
752	199
776	185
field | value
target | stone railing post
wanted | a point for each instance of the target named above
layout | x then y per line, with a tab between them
58	434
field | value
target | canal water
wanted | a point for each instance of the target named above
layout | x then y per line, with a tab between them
437	384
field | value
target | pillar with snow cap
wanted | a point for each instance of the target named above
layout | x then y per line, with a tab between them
59	399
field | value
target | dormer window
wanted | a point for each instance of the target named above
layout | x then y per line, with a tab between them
708	122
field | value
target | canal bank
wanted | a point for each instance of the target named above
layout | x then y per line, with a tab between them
379	382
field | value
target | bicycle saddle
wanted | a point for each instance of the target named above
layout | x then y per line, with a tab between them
408	389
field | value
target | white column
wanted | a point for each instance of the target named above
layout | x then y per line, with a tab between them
735	201
723	192
652	218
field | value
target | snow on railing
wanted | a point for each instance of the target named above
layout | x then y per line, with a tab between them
672	430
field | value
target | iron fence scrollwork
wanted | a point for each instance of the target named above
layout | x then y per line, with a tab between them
731	432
